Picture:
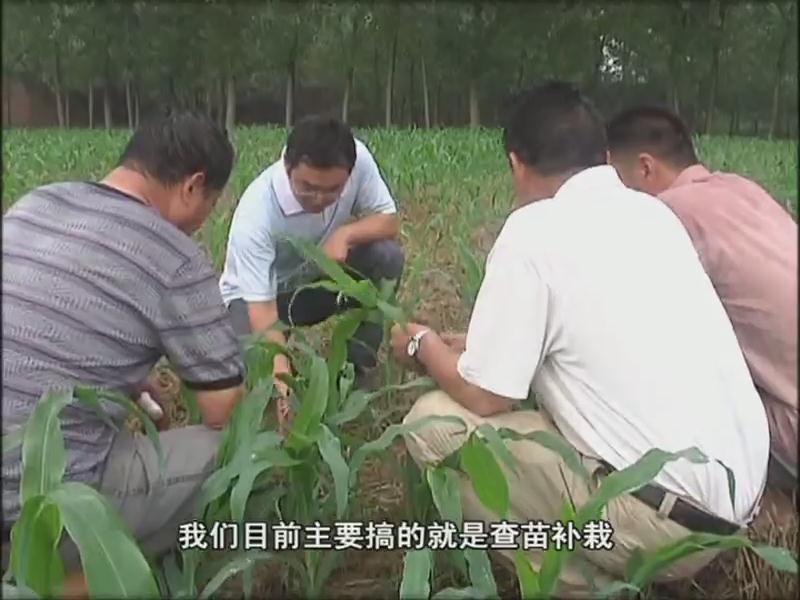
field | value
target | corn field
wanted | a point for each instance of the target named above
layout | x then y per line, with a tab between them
341	459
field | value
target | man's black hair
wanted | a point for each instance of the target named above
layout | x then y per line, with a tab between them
654	130
176	144
555	129
321	143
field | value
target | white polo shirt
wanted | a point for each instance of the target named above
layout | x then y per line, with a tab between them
259	262
596	300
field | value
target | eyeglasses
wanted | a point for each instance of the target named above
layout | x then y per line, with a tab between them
303	190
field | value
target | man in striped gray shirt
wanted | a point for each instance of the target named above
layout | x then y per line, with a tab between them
100	280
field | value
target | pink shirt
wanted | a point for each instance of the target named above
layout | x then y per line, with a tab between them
747	243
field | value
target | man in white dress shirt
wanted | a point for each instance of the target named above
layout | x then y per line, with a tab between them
595	299
325	188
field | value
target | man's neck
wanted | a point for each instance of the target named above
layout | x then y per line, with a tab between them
132	183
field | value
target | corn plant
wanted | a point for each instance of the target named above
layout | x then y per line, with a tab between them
112	562
479	460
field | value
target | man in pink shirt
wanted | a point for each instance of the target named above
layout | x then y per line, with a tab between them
747	243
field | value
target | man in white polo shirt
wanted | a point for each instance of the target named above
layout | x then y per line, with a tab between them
595	299
326	188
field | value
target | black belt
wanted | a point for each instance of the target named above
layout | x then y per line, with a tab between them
693	518
683	513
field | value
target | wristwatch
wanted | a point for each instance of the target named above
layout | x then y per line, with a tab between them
414	343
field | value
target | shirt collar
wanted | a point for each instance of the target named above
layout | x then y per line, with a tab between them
690	174
589	180
283	190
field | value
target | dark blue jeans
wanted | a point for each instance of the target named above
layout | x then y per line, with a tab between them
375	261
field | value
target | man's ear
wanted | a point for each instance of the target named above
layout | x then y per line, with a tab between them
193	183
648	166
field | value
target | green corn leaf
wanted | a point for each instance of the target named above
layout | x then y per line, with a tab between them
330	560
444	486
458	561
498	446
388	436
553	442
356	402
632	478
656	561
416	582
731	484
85	394
480	572
176	580
554	558
247	582
234	566
244	485
616	587
315	401
354	405
487	478
334	270
331	450
44	459
13	439
392	313
35	561
112	562
467	593
778	558
344	329
634	563
18	592
527	577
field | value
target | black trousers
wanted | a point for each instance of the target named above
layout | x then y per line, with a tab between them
375	261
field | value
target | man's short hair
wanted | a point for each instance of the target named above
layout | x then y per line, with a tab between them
321	143
554	129
654	130
174	145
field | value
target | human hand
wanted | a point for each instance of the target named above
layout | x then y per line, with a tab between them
400	337
456	341
149	396
282	409
338	245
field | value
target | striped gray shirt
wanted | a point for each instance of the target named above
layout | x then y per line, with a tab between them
97	287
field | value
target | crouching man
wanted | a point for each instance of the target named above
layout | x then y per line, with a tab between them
326	188
594	298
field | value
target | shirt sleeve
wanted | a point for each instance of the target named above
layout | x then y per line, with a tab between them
507	335
195	330
373	195
251	257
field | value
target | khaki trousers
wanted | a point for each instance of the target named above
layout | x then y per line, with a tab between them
541	487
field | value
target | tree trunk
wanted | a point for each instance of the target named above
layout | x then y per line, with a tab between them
66	110
348	87
387	115
778	81
426	107
474	105
436	97
7	101
521	69
136	107
290	74
208	101
91	104
129	102
230	104
410	96
107	105
59	98
717	18
107	94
